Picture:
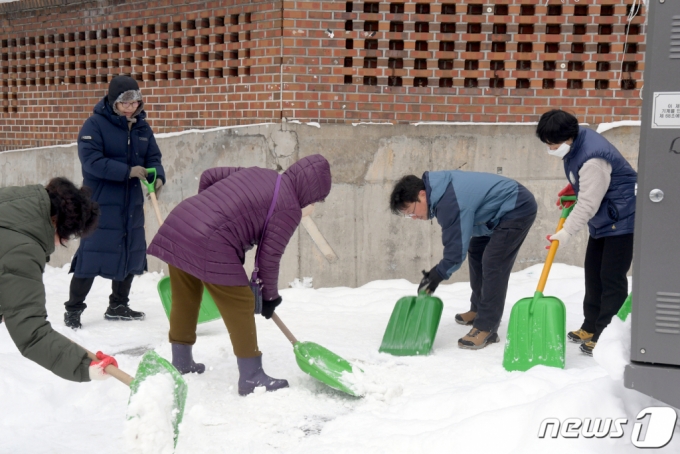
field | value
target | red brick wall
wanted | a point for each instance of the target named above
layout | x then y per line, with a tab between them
199	64
208	64
446	60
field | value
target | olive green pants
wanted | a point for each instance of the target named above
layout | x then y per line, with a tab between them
236	305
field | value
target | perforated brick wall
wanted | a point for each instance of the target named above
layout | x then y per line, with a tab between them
445	60
208	64
199	64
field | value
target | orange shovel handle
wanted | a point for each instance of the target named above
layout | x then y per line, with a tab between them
549	261
555	244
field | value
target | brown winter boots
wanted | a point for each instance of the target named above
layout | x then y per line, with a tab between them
466	318
579	336
476	339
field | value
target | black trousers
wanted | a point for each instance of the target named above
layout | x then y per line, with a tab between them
80	287
608	260
491	259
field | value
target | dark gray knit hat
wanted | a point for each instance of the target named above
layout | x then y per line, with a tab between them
123	89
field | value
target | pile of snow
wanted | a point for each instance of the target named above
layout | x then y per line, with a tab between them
453	400
151	415
613	348
306	282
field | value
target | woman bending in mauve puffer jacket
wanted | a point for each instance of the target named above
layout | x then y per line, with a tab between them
204	242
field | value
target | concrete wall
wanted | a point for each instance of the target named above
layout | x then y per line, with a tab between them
365	160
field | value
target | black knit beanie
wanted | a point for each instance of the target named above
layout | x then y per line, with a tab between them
119	85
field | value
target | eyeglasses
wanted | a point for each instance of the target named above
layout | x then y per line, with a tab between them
412	214
127	105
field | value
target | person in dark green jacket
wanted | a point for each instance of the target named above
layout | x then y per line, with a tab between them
32	220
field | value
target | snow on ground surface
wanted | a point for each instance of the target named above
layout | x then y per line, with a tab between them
451	401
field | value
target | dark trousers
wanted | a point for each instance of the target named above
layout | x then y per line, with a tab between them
80	287
491	259
608	260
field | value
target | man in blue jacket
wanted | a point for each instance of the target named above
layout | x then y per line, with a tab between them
482	215
604	183
115	147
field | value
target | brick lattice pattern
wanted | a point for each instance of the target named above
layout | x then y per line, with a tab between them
229	62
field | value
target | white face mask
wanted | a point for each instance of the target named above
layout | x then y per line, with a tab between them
560	151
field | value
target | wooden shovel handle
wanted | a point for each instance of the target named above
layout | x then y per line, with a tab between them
154	202
284	329
112	370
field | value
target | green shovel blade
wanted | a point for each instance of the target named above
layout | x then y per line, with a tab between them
153	364
413	326
325	366
537	338
208	311
626	308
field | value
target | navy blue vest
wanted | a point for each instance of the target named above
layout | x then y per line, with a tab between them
616	215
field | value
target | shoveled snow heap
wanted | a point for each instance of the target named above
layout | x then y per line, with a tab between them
453	400
150	417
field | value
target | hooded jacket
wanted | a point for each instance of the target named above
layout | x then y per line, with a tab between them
26	241
207	235
108	149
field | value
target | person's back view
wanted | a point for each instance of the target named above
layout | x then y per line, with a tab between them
204	241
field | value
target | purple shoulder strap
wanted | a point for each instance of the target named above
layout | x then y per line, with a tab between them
266	221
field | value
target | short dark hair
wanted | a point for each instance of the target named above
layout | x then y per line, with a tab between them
76	213
557	126
405	191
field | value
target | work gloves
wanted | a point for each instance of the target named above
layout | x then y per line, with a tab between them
562	236
269	306
567	190
157	188
138	172
97	371
430	282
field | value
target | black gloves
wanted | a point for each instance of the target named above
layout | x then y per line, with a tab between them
269	306
430	282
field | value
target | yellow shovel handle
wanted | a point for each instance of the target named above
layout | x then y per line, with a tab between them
548	261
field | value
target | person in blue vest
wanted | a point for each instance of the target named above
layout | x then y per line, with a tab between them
483	216
604	183
115	146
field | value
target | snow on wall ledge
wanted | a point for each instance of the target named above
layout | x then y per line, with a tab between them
365	160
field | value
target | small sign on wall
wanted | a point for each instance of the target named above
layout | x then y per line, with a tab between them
666	110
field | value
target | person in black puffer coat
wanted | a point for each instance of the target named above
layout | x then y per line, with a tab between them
115	146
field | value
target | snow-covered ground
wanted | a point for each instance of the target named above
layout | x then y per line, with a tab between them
451	401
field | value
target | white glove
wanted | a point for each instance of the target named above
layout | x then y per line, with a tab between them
96	368
562	236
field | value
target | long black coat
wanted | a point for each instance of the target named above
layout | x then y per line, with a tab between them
107	150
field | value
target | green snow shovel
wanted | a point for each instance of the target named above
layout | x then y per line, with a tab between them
626	308
537	329
413	326
153	364
319	362
208	311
